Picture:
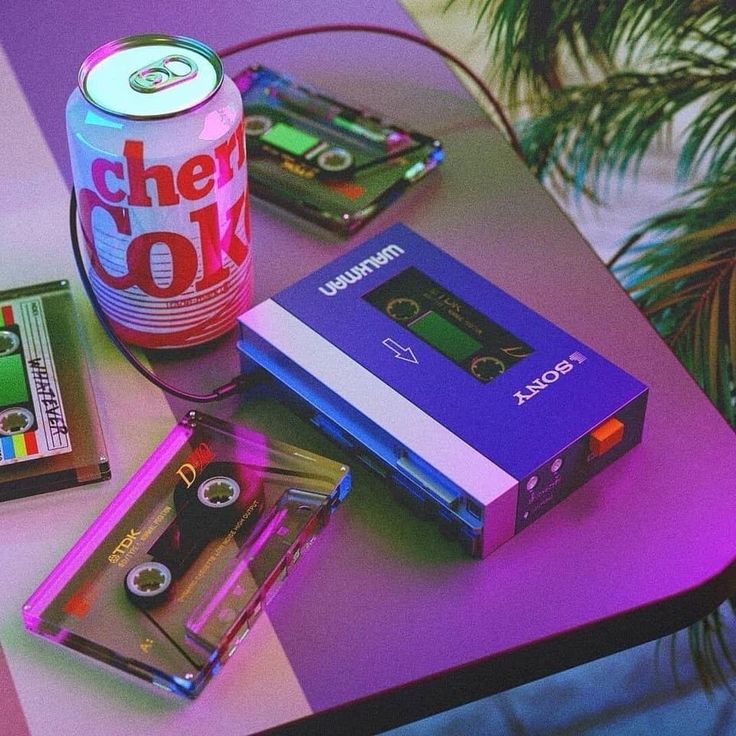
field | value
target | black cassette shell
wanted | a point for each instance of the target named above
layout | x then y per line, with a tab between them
206	509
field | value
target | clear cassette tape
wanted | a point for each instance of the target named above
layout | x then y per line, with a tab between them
171	576
325	161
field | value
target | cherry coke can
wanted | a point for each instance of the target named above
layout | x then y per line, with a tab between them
155	133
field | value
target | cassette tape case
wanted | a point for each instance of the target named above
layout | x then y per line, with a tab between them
171	576
327	162
50	435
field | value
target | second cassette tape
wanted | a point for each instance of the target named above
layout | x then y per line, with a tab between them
172	575
323	160
50	433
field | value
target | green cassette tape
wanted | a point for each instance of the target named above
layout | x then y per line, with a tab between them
50	434
327	162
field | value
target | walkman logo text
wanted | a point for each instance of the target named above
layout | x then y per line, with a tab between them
364	268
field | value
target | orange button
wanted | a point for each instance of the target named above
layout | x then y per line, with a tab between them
606	436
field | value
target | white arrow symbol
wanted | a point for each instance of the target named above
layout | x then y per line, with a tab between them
400	352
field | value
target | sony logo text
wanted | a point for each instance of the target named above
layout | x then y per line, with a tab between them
548	378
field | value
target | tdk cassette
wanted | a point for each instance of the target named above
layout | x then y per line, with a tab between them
173	574
485	413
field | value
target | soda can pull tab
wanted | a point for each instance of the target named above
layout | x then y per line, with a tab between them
162	74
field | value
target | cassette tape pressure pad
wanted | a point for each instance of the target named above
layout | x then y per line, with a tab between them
482	411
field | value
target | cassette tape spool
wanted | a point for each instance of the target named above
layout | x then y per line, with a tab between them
17	415
50	434
172	575
325	161
226	493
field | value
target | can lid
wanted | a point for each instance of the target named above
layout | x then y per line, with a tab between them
150	76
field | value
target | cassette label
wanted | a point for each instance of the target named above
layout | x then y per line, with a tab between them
176	570
50	434
32	418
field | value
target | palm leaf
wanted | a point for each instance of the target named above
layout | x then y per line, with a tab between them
683	276
527	38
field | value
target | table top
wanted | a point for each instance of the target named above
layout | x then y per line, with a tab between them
385	620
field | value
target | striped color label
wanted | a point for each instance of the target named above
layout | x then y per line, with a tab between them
18	446
49	435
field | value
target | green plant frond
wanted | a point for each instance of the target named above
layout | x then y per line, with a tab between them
695	640
709	140
712	325
678	274
715	27
706	214
681	271
709	651
725	227
660	274
527	38
669	300
598	130
699	331
723	646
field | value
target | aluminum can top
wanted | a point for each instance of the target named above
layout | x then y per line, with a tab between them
150	76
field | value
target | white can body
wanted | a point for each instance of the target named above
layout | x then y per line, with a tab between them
163	206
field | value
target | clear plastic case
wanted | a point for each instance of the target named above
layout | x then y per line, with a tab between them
172	575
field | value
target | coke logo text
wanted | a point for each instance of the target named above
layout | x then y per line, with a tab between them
132	183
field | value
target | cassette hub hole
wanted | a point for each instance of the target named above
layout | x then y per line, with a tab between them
218	492
257	124
487	367
403	308
15	421
148	579
335	159
9	342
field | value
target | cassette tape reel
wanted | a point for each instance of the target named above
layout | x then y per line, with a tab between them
225	494
16	411
303	153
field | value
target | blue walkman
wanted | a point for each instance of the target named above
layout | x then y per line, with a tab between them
484	412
